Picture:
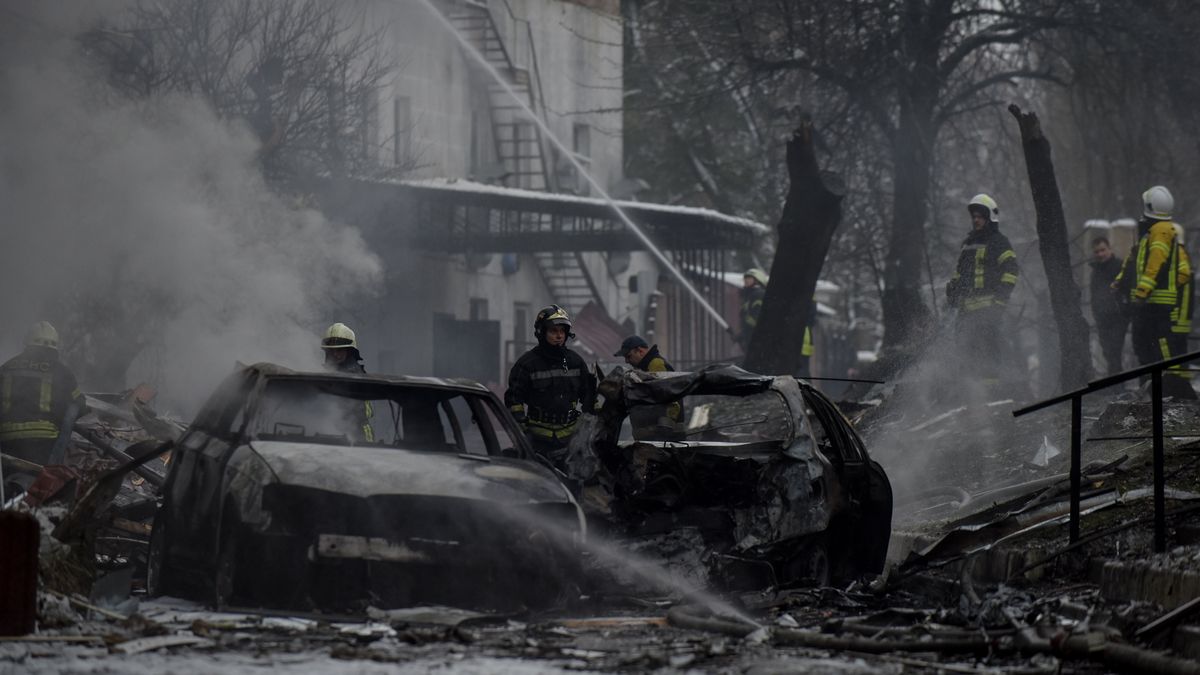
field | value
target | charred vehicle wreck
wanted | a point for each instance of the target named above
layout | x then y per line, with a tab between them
300	490
764	471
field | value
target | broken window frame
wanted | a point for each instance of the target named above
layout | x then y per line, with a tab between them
250	410
844	444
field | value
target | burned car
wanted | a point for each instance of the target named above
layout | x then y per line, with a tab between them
333	491
765	472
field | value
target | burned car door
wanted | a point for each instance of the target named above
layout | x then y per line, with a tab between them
185	527
868	504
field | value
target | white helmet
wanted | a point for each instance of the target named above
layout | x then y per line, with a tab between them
41	334
1157	203
988	203
339	336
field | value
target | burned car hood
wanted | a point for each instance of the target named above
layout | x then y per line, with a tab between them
368	471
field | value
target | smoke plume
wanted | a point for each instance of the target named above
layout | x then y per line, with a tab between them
148	224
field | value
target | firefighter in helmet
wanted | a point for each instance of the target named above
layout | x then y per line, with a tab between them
342	356
754	289
550	386
1152	277
341	350
39	400
984	278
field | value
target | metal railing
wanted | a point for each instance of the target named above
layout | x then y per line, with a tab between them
1155	371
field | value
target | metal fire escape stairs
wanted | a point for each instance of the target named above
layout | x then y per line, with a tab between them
519	144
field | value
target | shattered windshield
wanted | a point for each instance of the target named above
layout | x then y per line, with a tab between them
761	417
354	413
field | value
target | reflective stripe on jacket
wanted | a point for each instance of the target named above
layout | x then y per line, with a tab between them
986	273
35	391
548	388
1157	266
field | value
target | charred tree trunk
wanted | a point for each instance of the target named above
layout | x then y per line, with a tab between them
810	215
1074	336
905	313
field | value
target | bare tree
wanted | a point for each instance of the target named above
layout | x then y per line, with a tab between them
1075	363
303	74
810	216
907	67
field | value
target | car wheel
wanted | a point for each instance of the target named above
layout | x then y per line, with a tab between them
226	579
156	560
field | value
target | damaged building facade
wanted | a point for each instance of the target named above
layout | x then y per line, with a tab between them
495	221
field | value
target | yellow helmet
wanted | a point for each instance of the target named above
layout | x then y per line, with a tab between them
985	202
339	336
757	275
42	334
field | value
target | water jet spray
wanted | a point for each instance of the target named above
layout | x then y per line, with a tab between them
570	156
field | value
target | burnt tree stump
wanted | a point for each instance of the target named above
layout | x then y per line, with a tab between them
811	213
1074	335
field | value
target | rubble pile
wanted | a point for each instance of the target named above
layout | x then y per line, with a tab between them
95	514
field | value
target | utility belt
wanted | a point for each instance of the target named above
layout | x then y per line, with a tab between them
551	419
16	431
977	302
549	425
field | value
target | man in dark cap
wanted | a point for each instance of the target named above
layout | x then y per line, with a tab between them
643	356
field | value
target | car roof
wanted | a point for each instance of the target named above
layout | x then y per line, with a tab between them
272	371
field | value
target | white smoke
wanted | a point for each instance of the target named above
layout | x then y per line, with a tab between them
158	208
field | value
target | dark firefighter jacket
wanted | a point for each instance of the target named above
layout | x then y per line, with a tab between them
1106	303
653	362
986	273
35	391
361	414
548	387
752	301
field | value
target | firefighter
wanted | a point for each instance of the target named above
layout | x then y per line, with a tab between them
39	400
643	356
341	350
754	289
342	356
646	357
1152	276
550	386
983	280
806	348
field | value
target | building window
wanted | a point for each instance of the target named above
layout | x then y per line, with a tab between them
369	125
522	330
401	130
479	309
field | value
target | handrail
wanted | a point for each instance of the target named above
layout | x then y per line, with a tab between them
1155	371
